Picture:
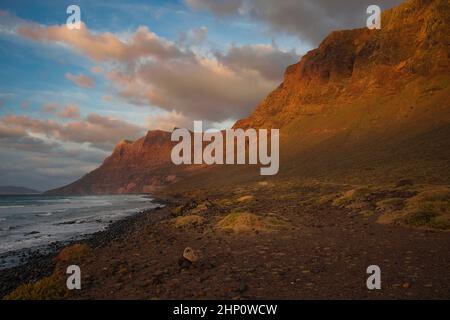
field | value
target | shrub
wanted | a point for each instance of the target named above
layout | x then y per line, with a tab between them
355	195
73	253
191	220
246	222
48	288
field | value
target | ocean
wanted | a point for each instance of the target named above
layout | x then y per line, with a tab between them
31	222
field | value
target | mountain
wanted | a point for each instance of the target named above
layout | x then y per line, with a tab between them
134	167
11	190
366	105
407	58
369	104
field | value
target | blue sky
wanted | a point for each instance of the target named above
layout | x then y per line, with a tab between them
67	97
33	73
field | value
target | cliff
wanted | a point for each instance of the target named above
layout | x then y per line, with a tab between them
412	45
133	167
371	104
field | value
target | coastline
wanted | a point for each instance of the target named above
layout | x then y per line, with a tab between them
271	240
40	263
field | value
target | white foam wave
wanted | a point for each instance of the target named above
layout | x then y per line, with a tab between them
13	206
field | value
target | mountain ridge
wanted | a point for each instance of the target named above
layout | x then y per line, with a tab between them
387	89
16	190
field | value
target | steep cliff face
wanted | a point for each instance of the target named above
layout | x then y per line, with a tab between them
412	48
134	167
367	103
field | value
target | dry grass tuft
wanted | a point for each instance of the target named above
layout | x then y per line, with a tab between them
355	195
48	288
191	220
73	253
430	208
249	222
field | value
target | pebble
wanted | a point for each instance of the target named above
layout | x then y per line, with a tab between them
406	285
190	255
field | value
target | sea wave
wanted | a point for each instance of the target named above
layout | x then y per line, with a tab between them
11	206
55	201
47	214
57	220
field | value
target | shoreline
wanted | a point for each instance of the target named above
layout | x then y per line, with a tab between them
272	240
40	263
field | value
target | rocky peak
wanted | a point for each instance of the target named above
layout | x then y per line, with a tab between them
413	42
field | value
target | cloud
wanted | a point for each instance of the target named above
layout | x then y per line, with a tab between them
81	80
70	112
105	46
199	35
310	20
43	157
202	89
17	138
41	165
97	70
219	7
268	61
27	143
149	70
194	36
98	131
11	132
50	107
9	23
169	121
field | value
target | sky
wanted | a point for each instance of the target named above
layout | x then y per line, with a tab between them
68	96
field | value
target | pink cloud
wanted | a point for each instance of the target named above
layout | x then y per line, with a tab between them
97	70
149	70
97	130
70	112
169	121
50	107
105	46
81	80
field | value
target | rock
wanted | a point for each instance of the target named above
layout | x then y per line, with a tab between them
190	255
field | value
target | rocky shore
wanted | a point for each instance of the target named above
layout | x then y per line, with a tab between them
40	263
283	239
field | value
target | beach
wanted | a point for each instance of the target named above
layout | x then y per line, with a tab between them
31	264
289	251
